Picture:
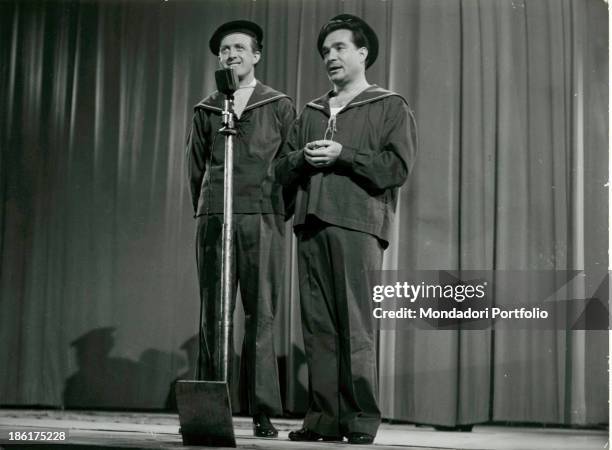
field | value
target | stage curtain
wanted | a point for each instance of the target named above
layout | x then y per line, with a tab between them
98	291
512	175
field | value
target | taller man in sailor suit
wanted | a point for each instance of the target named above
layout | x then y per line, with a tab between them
347	155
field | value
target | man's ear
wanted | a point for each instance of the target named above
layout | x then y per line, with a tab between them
363	52
256	57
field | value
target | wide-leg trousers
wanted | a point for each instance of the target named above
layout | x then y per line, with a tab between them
335	267
258	269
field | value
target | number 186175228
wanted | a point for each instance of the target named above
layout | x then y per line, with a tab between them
35	436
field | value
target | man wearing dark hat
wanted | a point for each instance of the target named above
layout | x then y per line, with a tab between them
347	155
263	117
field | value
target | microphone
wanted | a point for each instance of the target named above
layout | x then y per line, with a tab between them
227	81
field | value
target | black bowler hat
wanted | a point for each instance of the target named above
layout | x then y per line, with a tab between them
350	22
235	26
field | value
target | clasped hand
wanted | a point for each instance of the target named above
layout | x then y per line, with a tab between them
322	153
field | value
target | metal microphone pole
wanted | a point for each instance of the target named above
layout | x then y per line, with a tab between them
228	131
205	409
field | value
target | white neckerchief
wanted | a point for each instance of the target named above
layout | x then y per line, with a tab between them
335	110
242	96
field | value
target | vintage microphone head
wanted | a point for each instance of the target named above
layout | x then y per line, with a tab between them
227	81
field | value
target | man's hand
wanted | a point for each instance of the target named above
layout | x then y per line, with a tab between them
322	153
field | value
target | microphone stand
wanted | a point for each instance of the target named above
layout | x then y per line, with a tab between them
205	409
228	131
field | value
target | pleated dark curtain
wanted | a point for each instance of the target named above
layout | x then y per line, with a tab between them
98	292
511	175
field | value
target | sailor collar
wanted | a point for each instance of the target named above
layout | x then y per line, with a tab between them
261	95
368	95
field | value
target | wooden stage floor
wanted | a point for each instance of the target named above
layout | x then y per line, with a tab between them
99	430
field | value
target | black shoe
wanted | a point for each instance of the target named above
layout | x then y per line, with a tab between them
304	434
360	438
463	428
262	427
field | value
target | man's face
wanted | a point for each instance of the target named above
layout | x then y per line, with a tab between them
236	52
343	60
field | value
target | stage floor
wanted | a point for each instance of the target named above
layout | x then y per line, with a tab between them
160	431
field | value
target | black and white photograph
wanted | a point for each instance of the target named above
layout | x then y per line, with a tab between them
304	224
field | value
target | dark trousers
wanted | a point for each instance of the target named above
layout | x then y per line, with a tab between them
258	268
338	326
